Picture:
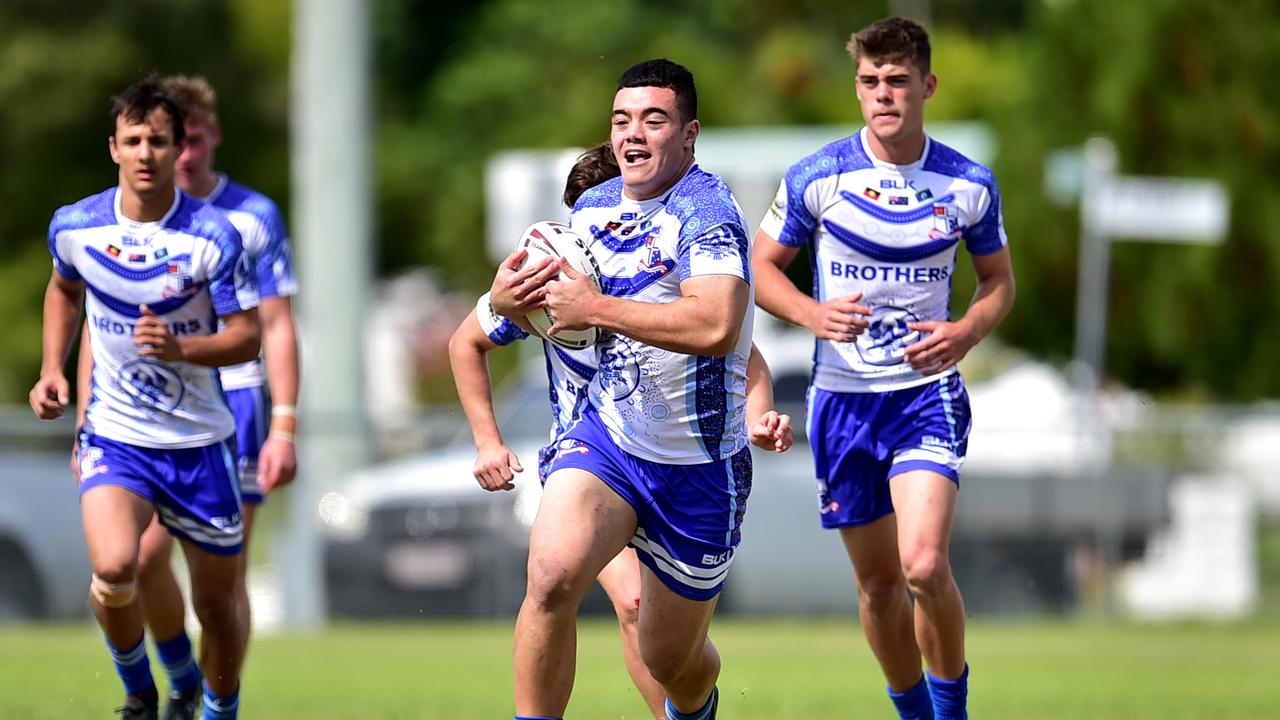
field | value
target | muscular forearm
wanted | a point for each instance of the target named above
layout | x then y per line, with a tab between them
991	303
280	346
62	302
471	377
239	341
778	296
705	325
759	387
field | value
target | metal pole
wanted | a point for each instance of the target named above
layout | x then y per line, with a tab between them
1095	262
330	172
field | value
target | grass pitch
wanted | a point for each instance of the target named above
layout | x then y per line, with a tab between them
807	669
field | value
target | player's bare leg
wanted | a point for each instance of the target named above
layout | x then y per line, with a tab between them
674	645
621	581
248	512
114	519
884	608
162	606
581	526
925	504
213	596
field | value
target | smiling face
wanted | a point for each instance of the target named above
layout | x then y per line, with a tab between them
892	97
146	153
653	144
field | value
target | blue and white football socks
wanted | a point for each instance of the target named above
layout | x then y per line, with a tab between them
950	697
220	707
701	713
913	703
179	663
133	666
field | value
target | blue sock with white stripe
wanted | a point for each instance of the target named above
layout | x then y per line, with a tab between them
179	664
913	703
220	707
133	666
950	697
701	713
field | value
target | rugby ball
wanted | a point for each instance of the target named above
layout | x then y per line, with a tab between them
547	239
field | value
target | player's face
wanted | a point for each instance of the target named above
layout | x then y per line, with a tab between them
145	152
892	98
195	164
653	145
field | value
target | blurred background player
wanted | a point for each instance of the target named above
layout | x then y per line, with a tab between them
883	212
159	267
263	401
569	372
661	465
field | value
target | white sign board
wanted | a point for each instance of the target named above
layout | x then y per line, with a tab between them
1182	210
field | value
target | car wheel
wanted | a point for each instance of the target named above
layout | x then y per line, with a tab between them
21	597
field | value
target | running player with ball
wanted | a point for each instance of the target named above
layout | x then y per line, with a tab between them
569	371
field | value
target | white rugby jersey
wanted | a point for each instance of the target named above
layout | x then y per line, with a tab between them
890	232
659	405
184	267
266	243
569	372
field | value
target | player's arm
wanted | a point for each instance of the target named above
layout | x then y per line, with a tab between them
63	299
468	347
278	460
766	428
705	320
948	342
837	319
238	341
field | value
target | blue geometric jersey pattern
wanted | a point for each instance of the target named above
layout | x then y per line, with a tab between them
569	372
268	259
891	233
660	405
183	267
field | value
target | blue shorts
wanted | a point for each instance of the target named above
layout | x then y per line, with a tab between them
194	489
861	440
252	411
689	516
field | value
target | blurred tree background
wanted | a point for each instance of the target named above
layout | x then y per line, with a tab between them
1178	84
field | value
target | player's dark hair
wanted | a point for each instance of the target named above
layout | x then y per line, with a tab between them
592	168
665	74
136	102
892	40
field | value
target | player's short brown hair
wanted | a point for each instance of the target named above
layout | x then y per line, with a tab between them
592	168
195	96
892	40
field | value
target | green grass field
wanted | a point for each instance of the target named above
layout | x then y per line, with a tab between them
803	669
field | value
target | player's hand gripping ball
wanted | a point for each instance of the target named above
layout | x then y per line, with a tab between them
547	239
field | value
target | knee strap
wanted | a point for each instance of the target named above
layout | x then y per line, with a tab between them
113	595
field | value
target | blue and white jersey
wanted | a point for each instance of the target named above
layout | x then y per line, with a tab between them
569	372
184	268
889	232
266	245
659	405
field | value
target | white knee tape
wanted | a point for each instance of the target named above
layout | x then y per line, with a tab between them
113	595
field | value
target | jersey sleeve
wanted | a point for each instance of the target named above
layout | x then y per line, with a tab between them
232	284
789	220
722	250
987	234
60	248
274	265
498	328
